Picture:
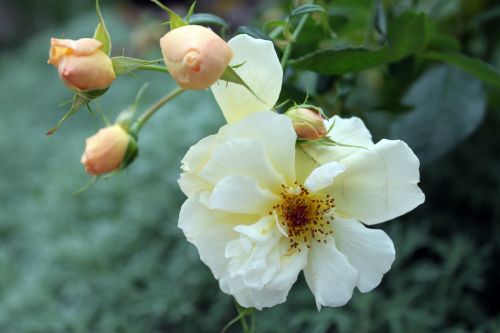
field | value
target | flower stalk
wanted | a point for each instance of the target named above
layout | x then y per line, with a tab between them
143	119
288	49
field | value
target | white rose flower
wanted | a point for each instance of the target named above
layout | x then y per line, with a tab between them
260	210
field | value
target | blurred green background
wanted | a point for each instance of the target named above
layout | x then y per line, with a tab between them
113	260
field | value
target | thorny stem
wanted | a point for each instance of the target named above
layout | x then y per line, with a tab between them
143	119
288	49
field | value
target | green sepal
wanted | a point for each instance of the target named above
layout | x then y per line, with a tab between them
101	32
78	103
126	117
125	65
175	20
230	75
190	11
131	152
92	94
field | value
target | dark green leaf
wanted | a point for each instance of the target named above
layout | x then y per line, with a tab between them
208	19
448	105
474	66
341	61
346	60
252	32
101	32
407	35
307	9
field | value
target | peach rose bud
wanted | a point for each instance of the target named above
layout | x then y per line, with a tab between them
195	56
105	151
308	123
81	64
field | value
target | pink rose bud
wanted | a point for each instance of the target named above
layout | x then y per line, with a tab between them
105	150
307	122
81	63
195	56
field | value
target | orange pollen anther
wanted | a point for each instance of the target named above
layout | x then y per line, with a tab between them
305	217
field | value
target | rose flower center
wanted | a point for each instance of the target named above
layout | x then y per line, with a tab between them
304	216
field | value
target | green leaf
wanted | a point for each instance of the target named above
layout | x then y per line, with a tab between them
126	65
474	66
340	61
448	105
347	60
101	32
407	35
252	32
78	102
230	75
175	20
308	9
207	19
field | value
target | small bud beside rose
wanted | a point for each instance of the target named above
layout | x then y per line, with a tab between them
195	56
307	122
106	150
81	64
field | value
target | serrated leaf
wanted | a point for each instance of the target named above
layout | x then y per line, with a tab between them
347	60
307	9
78	103
101	32
175	20
474	66
126	65
206	19
230	75
252	32
448	105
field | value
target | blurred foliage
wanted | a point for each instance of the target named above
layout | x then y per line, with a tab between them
113	260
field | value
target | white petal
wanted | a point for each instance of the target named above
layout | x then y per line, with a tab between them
257	260
323	176
210	231
190	184
199	154
242	195
379	184
253	297
329	275
242	157
277	135
370	251
261	71
276	290
351	136
349	131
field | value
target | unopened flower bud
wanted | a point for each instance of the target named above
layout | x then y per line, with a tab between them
81	64
106	150
195	56
307	122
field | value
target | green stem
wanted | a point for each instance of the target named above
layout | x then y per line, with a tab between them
143	119
154	68
288	49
